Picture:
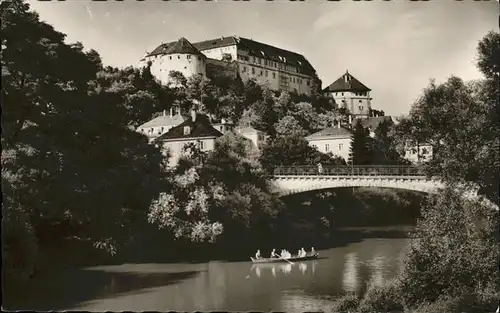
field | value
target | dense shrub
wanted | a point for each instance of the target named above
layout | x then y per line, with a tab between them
346	303
381	298
454	251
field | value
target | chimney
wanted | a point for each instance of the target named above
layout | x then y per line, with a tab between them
193	115
171	112
164	113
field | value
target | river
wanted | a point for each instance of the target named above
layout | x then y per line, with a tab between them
217	285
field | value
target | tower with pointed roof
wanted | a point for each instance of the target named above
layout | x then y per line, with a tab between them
179	56
351	94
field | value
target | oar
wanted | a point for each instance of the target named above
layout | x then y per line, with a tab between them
286	260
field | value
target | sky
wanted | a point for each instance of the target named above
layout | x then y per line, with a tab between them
393	47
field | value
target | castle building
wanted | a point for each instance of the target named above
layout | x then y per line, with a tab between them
278	68
351	94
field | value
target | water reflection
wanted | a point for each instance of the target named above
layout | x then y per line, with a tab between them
228	286
350	274
285	268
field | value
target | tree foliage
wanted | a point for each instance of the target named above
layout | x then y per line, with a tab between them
460	121
293	150
360	152
222	191
453	253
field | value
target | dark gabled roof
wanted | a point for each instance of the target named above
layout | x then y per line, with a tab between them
201	127
333	131
347	82
181	46
373	122
254	48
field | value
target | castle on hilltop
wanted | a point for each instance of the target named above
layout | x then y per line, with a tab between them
237	56
280	69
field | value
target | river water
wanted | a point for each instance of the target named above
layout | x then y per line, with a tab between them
217	285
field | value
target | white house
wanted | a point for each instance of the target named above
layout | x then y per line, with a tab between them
257	137
161	124
197	129
336	140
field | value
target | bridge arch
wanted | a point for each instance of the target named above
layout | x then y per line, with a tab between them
298	179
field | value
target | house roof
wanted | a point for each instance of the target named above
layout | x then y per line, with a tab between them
181	46
201	127
331	132
347	82
164	120
373	122
254	48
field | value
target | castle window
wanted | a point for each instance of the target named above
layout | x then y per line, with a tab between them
261	73
327	147
253	70
274	75
340	146
342	94
360	107
187	130
360	101
188	56
170	57
201	145
244	69
267	73
179	57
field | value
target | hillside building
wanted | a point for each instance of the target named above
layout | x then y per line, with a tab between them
161	124
351	94
335	139
196	130
278	68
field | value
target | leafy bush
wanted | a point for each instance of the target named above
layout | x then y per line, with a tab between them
384	298
454	251
346	303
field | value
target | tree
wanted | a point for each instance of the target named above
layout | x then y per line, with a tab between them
223	192
384	145
288	125
291	150
460	121
360	150
64	134
453	253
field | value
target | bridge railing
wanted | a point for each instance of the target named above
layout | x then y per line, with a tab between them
343	170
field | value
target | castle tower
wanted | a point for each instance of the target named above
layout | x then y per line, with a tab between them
179	56
351	94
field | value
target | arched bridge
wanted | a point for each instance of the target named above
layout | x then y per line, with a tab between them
296	179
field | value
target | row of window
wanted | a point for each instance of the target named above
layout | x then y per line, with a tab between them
327	147
265	73
188	56
181	145
265	62
159	131
360	94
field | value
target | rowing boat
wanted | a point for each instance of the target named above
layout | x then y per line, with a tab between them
281	260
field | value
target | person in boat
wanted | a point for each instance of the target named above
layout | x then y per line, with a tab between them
299	253
312	251
303	252
257	255
273	254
